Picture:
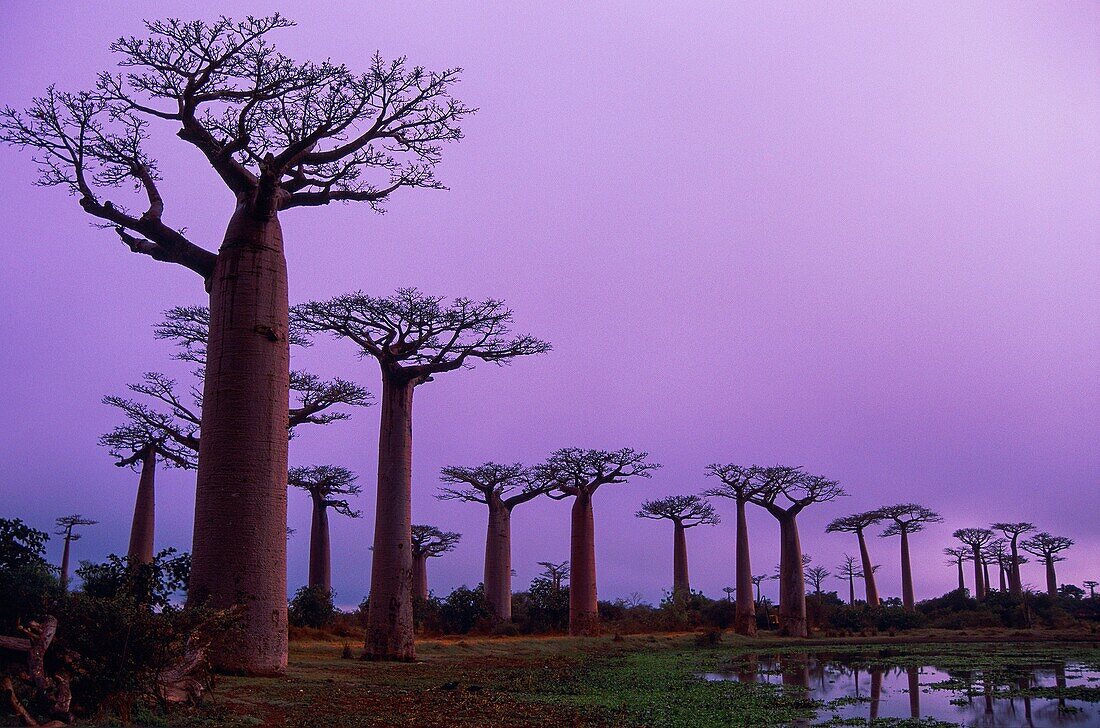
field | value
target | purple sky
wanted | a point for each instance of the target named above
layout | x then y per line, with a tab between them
864	240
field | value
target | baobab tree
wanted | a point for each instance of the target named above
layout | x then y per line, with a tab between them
817	575
685	511
136	444
66	527
848	570
578	474
996	552
907	518
328	486
500	488
730	591
413	337
1012	530
757	580
957	555
281	135
556	574
1091	585
1047	548
428	542
738	483
976	539
784	493
857	523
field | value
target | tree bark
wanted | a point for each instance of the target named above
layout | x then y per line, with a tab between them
1015	584
868	571
584	616
680	583
985	576
962	581
851	590
144	523
1001	576
320	554
65	564
1052	580
239	550
907	598
979	581
389	609
420	576
745	613
498	559
792	584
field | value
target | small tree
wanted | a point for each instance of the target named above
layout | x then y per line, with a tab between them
907	518
1012	530
281	135
757	580
500	488
413	337
578	474
857	523
730	591
685	511
738	483
848	570
556	574
957	555
429	542
976	539
1048	548
817	575
1091	585
785	492
66	527
326	485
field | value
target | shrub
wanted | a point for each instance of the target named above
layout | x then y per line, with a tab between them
311	606
28	583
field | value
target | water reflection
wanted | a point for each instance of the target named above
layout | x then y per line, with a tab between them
869	687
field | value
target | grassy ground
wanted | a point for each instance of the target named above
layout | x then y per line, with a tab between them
638	680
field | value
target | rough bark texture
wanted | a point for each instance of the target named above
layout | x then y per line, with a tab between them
979	579
239	550
792	584
745	619
868	570
584	618
1015	583
907	598
144	524
389	610
320	556
420	576
498	559
680	581
1052	579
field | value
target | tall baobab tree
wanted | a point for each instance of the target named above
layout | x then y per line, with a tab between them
66	527
996	552
857	523
500	488
1012	530
957	555
428	542
757	580
976	539
556	574
328	486
817	575
136	444
907	518
848	570
281	135
1091	585
578	474
730	591
738	483
1047	548
685	511
413	337
785	492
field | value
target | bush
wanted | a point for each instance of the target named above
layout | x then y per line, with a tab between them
464	609
152	584
28	583
311	606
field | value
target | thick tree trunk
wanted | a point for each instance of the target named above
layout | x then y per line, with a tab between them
868	571
65	564
1001	576
985	576
851	590
962	581
239	551
680	583
792	584
1052	580
320	555
1015	584
144	523
907	598
584	616
745	613
979	580
389	609
420	576
498	559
